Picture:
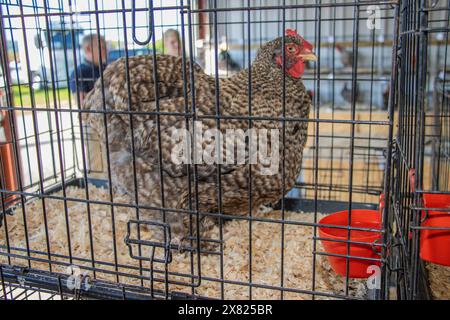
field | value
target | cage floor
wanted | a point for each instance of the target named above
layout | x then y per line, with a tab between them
266	251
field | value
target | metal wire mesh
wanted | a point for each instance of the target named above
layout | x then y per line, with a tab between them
361	75
420	158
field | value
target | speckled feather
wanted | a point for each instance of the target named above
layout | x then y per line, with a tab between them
266	101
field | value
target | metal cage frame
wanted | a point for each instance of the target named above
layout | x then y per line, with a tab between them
342	170
420	158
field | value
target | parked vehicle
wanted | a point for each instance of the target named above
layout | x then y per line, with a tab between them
115	54
32	49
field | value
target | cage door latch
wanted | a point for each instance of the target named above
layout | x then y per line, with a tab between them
141	244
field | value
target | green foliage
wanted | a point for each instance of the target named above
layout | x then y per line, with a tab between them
21	95
159	46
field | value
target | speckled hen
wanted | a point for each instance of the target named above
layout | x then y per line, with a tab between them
161	182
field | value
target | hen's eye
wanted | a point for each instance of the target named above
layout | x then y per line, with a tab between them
291	49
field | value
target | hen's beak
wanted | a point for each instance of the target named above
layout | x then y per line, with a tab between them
308	56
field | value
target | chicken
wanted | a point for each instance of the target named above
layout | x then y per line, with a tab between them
162	182
224	60
347	93
386	94
227	63
346	56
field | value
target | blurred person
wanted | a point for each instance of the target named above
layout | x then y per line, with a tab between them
172	43
89	70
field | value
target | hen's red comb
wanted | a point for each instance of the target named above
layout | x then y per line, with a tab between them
293	33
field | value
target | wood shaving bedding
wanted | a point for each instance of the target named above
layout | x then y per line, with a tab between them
265	250
439	280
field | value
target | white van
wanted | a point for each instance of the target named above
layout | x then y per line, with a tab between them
60	36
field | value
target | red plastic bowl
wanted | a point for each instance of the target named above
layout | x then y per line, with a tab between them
435	244
370	219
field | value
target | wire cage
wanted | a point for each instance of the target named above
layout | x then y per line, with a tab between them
421	158
69	231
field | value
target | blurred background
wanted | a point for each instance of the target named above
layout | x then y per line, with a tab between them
354	45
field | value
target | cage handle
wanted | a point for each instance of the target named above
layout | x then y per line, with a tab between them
376	249
424	217
133	24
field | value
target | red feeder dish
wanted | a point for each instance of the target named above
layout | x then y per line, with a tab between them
369	219
435	244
